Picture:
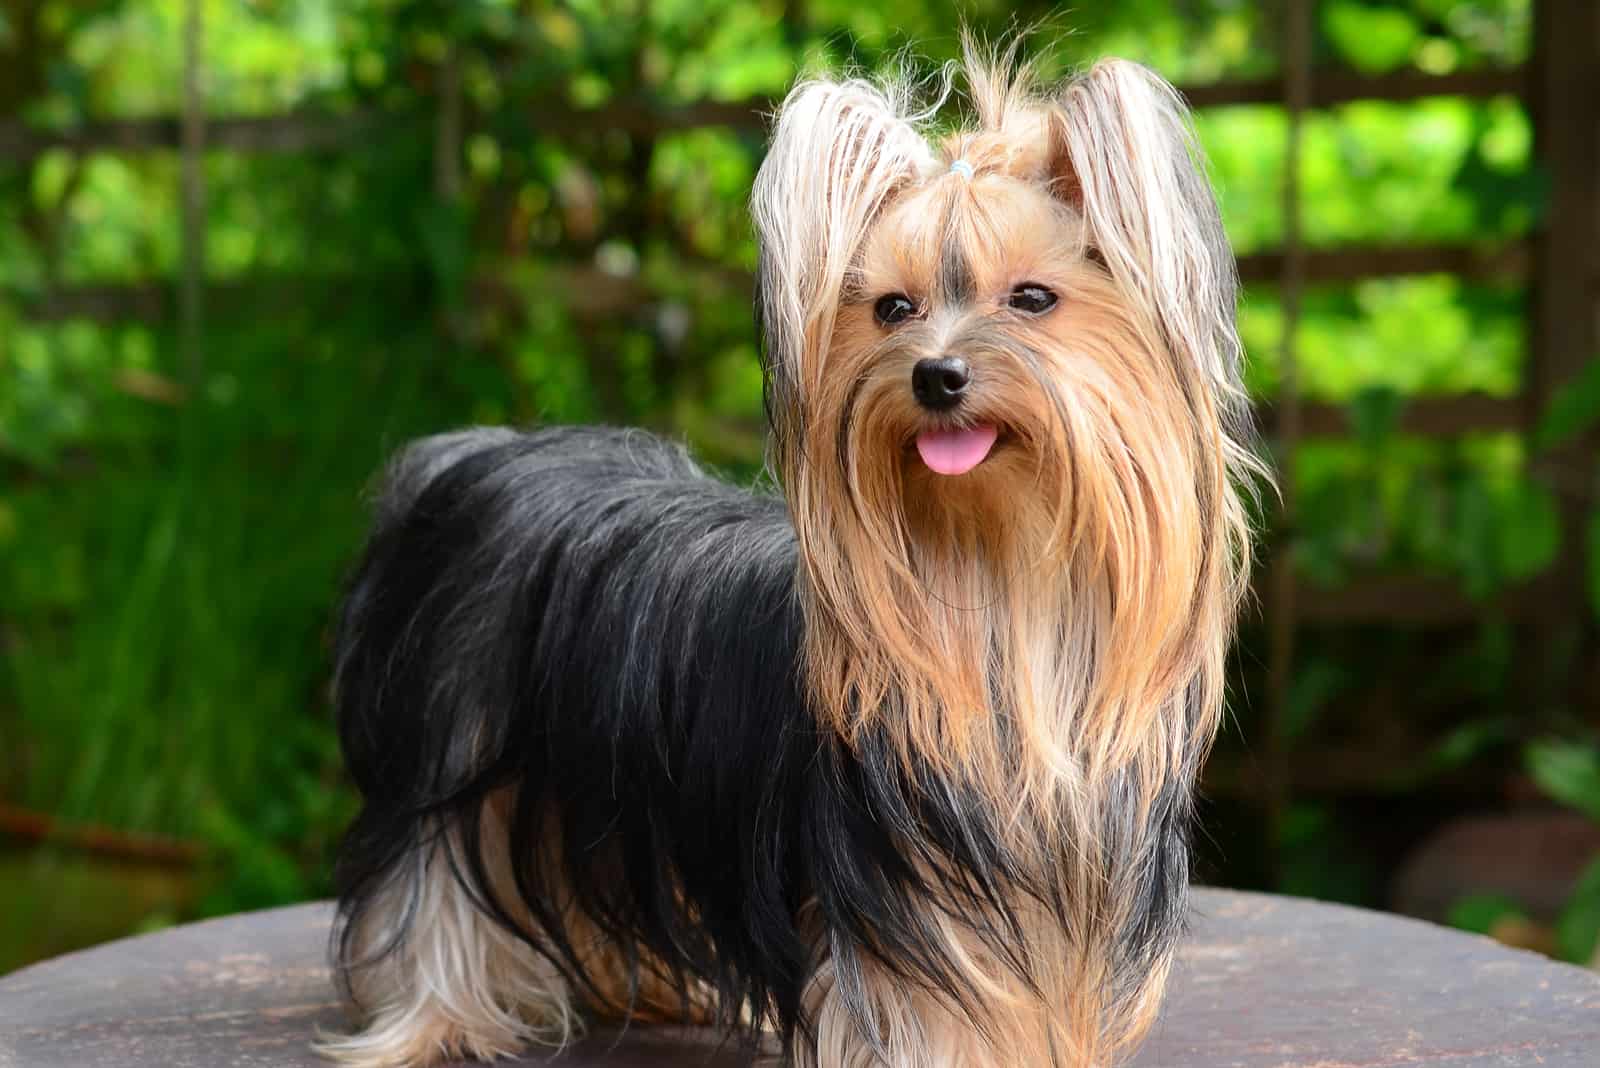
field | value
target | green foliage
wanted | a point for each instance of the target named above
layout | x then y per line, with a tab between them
1579	928
1412	336
1374	38
1480	913
1320	857
1568	772
1592	551
1437	36
1464	744
1381	503
1573	410
1319	681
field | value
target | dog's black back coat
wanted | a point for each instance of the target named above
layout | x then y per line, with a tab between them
583	616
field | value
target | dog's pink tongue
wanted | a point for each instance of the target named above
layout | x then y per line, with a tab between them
955	452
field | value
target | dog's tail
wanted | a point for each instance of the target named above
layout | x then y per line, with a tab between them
403	750
409	948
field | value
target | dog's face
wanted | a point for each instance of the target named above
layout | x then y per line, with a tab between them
989	386
953	349
1003	379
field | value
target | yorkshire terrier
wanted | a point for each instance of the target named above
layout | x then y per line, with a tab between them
896	768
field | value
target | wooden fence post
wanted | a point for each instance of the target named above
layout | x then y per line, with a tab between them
1282	609
191	298
1563	336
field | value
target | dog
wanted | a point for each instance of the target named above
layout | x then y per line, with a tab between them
895	767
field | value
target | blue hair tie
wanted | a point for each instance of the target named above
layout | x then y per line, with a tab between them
963	168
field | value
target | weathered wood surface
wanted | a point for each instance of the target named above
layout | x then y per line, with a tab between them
1264	983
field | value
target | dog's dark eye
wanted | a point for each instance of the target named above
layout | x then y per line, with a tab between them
1035	300
894	308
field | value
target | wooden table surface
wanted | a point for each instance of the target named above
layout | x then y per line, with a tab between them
1264	982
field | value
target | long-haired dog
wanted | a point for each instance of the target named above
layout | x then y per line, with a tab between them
896	768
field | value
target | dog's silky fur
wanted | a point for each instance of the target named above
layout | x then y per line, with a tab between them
896	768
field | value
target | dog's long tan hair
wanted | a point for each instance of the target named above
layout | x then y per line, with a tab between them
1048	630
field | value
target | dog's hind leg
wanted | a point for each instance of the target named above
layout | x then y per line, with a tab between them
438	978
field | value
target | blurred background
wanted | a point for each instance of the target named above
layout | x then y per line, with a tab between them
247	248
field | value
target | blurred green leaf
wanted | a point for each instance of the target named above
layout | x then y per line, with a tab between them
1567	771
1573	409
445	233
1316	683
158	920
1527	530
1372	39
1479	913
1592	572
1320	858
1579	927
1466	743
1375	412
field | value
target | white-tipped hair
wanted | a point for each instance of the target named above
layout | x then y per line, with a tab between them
1138	176
840	151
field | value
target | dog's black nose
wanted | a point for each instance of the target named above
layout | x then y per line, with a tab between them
939	384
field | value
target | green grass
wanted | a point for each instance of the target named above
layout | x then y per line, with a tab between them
168	600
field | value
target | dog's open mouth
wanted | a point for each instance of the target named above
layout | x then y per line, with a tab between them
955	452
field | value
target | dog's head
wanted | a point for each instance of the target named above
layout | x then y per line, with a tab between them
1003	378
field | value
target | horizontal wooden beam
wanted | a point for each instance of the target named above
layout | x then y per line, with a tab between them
1477	261
301	131
156	302
590	293
1330	88
1427	416
1409	600
312	131
44	829
152	301
1347	771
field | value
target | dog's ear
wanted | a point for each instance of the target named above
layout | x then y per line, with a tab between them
840	151
1123	153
